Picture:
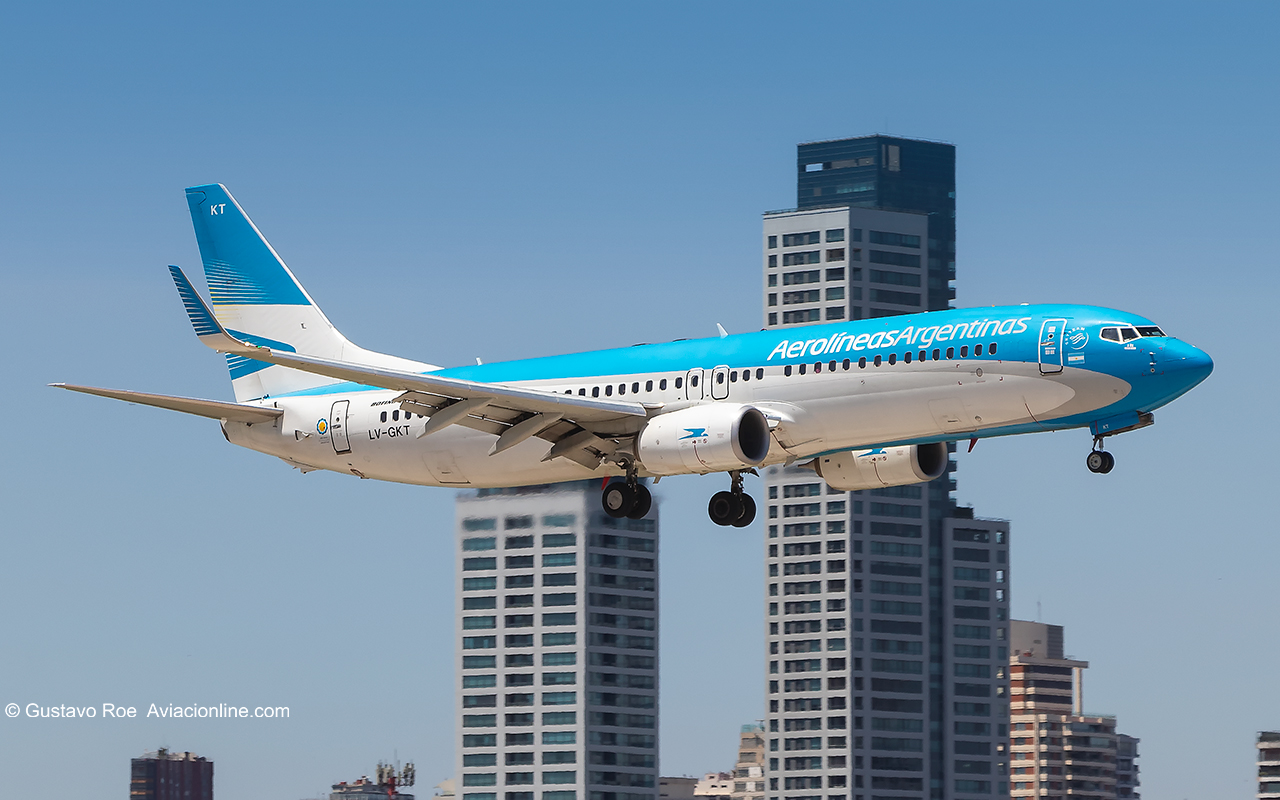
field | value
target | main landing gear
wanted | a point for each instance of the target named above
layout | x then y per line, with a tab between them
733	507
1100	462
628	498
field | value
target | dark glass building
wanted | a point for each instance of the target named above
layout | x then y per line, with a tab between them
895	175
908	699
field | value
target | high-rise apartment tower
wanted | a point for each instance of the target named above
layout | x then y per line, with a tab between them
1059	750
886	610
557	647
162	775
1269	765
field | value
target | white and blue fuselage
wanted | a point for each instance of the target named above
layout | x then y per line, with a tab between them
912	379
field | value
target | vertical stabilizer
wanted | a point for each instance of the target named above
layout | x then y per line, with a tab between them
258	300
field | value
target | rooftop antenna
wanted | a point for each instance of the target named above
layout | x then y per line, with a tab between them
1037	610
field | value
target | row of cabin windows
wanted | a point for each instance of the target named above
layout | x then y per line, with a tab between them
662	384
746	375
893	359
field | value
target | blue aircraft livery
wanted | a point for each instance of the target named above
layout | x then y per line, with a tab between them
864	404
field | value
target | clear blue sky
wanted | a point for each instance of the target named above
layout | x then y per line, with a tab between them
510	180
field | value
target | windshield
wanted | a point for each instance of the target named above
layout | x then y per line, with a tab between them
1149	330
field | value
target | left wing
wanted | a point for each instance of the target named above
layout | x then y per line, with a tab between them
580	428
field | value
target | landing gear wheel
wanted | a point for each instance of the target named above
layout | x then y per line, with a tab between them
1100	462
641	503
748	512
725	508
618	499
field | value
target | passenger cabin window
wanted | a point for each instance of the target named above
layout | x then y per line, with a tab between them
383	416
679	382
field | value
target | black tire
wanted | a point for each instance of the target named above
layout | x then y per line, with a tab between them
618	499
1110	462
1097	461
642	503
748	515
724	508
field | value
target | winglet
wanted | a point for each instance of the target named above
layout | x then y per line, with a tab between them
208	329
720	329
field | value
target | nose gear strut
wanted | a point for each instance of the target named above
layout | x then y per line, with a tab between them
1100	462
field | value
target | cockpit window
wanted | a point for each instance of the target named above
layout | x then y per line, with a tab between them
1150	330
1111	334
1128	334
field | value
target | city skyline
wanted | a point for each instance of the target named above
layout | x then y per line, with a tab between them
425	172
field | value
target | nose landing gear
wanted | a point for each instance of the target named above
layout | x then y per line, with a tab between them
734	507
1100	462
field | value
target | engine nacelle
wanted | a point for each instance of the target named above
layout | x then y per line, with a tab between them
884	466
708	438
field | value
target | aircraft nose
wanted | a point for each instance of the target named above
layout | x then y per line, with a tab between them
1188	360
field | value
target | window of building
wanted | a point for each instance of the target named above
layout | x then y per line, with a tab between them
773	280
894	259
773	242
773	262
803	315
835	235
894	239
835	254
898	298
894	278
803	257
808	296
800	239
799	278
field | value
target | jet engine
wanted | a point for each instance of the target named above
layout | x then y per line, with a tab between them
855	470
715	437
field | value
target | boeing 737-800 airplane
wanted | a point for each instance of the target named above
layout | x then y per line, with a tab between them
865	404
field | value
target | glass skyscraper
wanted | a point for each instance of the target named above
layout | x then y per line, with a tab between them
886	610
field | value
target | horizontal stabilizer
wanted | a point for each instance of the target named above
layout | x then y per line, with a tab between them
213	409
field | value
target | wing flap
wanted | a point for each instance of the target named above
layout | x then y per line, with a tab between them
213	409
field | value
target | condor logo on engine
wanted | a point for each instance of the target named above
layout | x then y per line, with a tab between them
694	433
